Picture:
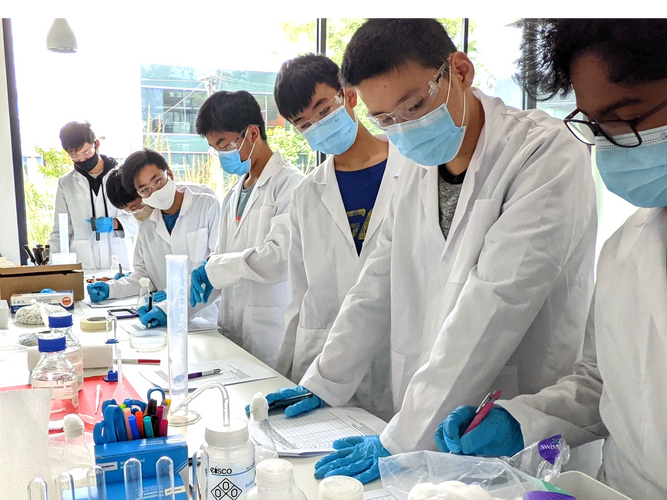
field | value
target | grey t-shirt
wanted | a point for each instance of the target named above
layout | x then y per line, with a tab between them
244	196
449	190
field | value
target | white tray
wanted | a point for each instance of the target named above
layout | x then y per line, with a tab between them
584	487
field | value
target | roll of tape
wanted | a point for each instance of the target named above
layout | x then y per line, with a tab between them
93	324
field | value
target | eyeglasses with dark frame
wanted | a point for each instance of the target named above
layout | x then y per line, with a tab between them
622	133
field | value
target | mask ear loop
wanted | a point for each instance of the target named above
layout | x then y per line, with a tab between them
243	142
449	88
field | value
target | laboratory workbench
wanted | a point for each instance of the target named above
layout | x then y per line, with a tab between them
202	347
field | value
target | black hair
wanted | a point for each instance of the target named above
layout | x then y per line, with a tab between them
74	135
138	160
117	194
297	79
632	49
229	112
382	45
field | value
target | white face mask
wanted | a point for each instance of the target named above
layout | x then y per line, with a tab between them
163	198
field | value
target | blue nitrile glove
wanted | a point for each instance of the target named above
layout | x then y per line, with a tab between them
200	286
356	456
499	434
103	224
152	318
160	296
303	406
98	291
118	276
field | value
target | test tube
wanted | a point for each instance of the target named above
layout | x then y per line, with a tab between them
134	486
97	483
199	475
64	483
164	472
38	489
63	227
112	340
177	331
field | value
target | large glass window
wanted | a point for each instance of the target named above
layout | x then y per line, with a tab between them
138	91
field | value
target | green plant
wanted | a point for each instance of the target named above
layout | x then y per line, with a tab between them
293	147
56	162
40	207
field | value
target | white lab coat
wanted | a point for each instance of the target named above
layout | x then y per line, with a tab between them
500	305
251	264
195	235
323	266
73	198
617	390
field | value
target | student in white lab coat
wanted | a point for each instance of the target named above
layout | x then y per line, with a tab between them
133	203
250	266
335	215
82	195
182	222
483	270
618	70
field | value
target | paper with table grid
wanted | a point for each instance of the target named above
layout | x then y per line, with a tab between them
313	433
380	494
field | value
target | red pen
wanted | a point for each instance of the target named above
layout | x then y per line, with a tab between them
141	361
164	424
483	410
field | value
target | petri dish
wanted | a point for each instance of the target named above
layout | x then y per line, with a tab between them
148	340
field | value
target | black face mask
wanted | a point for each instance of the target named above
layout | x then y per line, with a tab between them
88	164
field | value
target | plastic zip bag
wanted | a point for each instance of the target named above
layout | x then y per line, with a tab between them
542	459
401	473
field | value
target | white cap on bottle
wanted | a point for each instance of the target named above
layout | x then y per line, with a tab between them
274	474
259	407
219	436
341	488
145	282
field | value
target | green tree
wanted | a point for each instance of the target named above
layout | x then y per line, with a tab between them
292	146
56	162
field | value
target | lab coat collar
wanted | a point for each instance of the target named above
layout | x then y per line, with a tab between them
325	178
648	252
156	215
271	168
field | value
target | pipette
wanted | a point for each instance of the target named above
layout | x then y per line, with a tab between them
112	339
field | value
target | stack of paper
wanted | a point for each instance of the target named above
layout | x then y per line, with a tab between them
314	433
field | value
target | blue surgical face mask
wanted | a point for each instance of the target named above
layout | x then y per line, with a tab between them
638	175
432	140
334	134
230	161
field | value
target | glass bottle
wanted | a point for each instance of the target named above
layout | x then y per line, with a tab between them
61	324
54	371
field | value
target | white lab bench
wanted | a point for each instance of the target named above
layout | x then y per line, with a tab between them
202	347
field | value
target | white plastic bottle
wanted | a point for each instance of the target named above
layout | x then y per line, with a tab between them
341	488
260	430
231	471
61	324
275	481
144	292
54	371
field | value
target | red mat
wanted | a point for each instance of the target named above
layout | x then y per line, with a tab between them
87	396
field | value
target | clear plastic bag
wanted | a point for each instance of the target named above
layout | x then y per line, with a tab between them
401	473
542	459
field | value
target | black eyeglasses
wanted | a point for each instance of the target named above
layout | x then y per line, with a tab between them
622	133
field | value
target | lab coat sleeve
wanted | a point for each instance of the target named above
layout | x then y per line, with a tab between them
267	263
364	317
129	223
213	221
128	286
299	283
60	207
570	407
544	218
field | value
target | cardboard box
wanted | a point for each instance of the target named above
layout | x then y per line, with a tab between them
111	457
30	279
64	298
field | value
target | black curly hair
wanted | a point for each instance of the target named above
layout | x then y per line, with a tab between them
633	50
